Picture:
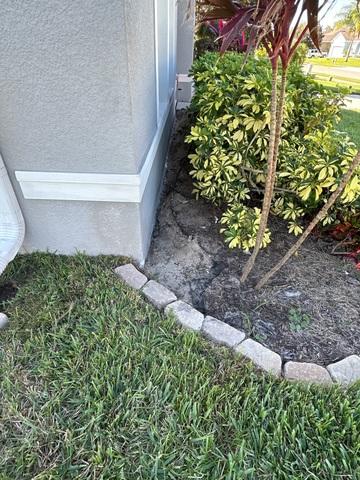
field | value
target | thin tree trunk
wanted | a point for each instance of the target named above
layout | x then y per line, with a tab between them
320	215
275	137
349	51
279	122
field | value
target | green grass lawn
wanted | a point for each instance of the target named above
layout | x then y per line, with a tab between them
338	83
341	80
96	384
350	123
334	62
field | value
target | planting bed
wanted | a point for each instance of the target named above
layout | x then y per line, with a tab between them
310	311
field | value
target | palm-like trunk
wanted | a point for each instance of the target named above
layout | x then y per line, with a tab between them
280	119
320	215
276	122
349	50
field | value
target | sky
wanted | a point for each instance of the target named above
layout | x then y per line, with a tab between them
332	15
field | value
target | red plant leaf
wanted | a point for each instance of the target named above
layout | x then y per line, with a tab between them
218	9
312	7
268	22
238	18
235	30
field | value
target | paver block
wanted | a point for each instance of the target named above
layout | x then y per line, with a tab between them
186	315
185	88
4	320
221	332
131	275
263	357
182	105
307	372
345	371
158	295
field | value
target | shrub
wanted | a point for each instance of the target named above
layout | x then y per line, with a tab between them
231	134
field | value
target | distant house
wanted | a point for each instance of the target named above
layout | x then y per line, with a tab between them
337	43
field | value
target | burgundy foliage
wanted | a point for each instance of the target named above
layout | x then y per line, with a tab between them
272	23
239	42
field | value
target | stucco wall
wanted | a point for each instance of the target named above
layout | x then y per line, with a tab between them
185	25
152	192
139	27
78	94
64	100
91	227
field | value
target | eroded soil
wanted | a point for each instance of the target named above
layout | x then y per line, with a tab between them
8	291
310	311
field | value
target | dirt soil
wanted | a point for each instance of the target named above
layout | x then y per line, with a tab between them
310	310
8	291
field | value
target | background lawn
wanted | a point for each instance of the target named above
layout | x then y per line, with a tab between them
96	384
334	62
350	123
336	78
337	83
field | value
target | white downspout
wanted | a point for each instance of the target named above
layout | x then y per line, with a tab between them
12	225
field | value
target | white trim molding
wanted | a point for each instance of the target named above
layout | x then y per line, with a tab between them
79	186
94	187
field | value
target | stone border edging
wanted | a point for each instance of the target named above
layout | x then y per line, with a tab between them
4	320
344	372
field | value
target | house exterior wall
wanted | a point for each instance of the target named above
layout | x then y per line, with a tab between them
355	48
339	47
63	86
140	41
80	94
186	26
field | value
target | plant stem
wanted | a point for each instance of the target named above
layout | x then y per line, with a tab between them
275	137
276	189
279	121
320	215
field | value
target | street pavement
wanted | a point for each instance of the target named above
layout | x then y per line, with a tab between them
352	102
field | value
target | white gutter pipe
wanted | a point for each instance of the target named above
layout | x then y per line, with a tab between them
12	225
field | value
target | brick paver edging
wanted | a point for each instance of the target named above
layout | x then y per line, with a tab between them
345	372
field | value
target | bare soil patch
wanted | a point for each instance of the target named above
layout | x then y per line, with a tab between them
8	291
310	311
